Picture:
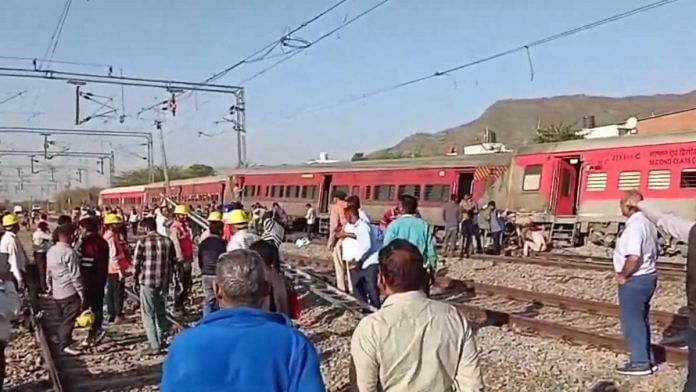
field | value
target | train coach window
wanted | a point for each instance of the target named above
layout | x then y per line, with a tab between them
659	179
531	181
436	193
343	188
292	192
368	192
688	178
276	191
413	190
629	180
596	182
309	191
384	192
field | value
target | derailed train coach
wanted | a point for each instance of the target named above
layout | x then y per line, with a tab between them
575	187
378	183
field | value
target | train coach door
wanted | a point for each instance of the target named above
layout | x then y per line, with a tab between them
325	194
566	188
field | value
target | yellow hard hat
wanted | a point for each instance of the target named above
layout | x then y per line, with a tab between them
84	320
181	209
111	219
9	220
215	216
237	217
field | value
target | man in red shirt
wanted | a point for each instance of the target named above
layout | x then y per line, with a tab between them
94	269
180	234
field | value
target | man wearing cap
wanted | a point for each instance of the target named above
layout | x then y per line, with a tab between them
119	262
12	250
180	234
214	216
209	250
242	237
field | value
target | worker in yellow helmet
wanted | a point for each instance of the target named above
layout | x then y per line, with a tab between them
11	248
119	262
182	237
214	216
209	251
242	237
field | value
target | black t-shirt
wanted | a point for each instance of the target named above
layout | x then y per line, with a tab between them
208	252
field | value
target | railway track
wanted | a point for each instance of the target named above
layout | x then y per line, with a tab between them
465	294
665	270
117	363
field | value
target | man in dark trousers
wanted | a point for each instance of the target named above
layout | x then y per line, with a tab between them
683	230
94	268
209	250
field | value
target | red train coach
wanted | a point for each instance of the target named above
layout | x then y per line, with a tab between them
126	198
577	185
378	182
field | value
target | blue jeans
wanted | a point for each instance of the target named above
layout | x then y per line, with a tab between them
690	385
365	284
154	315
634	304
210	304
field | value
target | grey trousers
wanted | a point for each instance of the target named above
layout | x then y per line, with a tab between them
154	316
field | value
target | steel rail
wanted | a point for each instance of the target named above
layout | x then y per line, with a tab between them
46	354
542	327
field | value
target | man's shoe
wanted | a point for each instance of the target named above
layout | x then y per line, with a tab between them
635	370
71	351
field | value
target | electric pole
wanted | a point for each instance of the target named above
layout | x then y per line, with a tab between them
165	169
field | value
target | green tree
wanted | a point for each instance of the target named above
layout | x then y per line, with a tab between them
552	133
358	156
71	198
141	176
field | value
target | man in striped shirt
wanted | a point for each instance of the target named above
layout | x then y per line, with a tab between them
154	260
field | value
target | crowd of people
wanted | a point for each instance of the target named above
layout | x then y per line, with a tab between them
245	339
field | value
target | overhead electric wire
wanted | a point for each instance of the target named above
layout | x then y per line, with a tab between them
13	96
298	50
55	38
54	61
492	57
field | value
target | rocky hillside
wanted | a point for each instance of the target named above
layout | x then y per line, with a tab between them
515	120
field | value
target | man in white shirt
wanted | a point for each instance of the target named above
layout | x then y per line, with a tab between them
161	219
634	259
413	343
242	237
12	249
360	250
312	222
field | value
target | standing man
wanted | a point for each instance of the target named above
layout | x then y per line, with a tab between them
209	251
119	262
241	347
413	343
133	219
41	240
634	262
337	220
451	215
360	254
162	218
312	222
12	250
93	252
683	230
354	201
242	237
181	237
415	230
153	262
469	226
497	227
64	280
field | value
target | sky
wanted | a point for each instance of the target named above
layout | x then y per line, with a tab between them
400	40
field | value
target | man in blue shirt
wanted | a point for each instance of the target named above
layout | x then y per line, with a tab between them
241	347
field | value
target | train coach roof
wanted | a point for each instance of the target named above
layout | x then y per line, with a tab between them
494	159
608	142
189	181
122	189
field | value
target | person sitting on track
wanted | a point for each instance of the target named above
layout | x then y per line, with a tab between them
153	265
413	343
281	297
533	240
65	283
241	347
94	269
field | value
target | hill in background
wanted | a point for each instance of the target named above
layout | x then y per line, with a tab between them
516	120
